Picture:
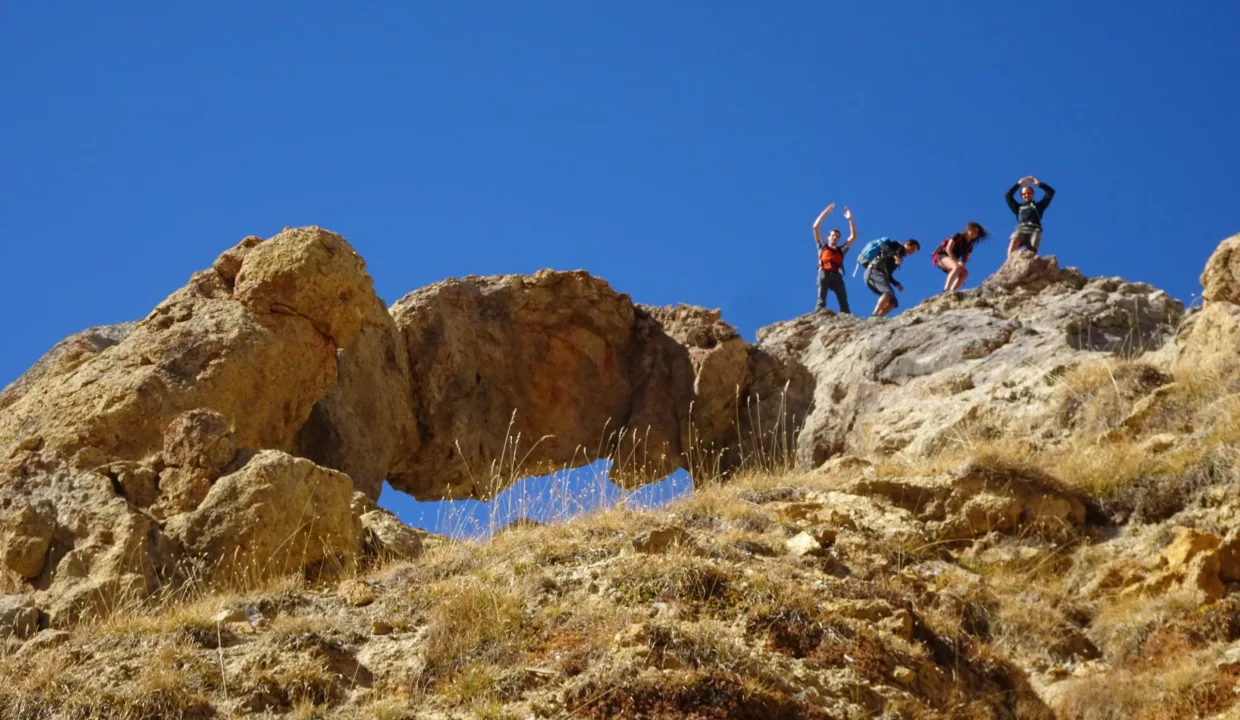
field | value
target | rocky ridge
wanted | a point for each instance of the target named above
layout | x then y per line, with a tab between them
138	460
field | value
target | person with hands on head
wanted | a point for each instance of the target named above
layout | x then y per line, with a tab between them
831	260
1028	233
880	273
952	255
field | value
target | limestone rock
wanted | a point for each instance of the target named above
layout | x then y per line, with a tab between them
355	592
522	374
1211	340
139	484
1221	279
661	540
979	499
277	514
968	364
65	356
228	264
512	367
199	438
261	359
365	426
43	640
25	534
803	544
310	273
230	615
387	537
19	617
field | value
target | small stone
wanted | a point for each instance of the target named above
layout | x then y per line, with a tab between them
1188	543
19	618
899	624
634	635
1159	443
379	627
355	593
660	540
230	615
803	544
904	676
43	640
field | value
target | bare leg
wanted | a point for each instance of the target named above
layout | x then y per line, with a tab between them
951	266
884	305
958	277
1015	243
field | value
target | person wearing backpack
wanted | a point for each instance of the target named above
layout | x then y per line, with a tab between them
880	258
952	255
831	260
1028	233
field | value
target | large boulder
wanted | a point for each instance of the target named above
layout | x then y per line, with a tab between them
277	514
119	428
260	350
519	375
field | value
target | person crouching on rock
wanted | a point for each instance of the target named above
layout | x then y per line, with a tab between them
1028	233
880	272
952	255
831	260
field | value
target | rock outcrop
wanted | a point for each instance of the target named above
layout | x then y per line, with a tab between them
970	364
513	375
275	325
131	450
118	435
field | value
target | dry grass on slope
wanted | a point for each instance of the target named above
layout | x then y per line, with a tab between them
698	610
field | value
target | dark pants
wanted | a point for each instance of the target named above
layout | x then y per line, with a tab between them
832	280
879	283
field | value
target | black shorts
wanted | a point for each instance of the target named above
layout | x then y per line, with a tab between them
879	282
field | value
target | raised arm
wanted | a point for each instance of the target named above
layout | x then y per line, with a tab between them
818	224
1048	193
1011	196
852	229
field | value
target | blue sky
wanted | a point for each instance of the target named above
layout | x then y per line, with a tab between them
680	150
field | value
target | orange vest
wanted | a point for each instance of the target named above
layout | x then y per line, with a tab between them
831	258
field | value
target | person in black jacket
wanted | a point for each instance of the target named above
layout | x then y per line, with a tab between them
1028	233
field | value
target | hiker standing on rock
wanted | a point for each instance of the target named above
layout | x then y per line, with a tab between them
952	255
881	257
831	260
1028	233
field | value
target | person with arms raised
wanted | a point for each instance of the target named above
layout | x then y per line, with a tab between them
1028	233
831	260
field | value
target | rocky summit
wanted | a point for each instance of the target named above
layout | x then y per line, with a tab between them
1015	501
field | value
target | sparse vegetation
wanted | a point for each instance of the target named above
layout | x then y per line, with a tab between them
579	618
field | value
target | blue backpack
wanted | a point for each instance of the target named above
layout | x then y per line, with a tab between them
872	250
